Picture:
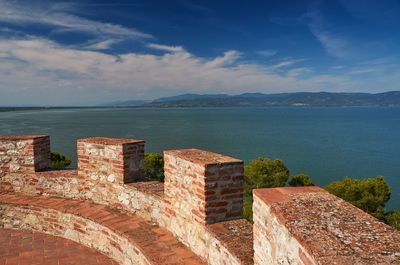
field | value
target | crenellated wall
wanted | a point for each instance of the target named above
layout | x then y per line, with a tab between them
200	203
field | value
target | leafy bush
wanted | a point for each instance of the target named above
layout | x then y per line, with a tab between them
265	173
154	166
300	180
370	194
59	161
393	219
248	208
262	173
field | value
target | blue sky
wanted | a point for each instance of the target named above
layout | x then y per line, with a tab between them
88	52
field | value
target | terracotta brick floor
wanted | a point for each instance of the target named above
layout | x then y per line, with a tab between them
33	248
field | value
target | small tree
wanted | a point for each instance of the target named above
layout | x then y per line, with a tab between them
393	219
370	195
59	161
265	173
262	173
154	166
300	180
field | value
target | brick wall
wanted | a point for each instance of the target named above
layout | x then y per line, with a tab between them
203	186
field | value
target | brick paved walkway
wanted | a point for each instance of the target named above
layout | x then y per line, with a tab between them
33	248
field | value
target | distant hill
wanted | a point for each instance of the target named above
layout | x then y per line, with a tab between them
264	100
125	103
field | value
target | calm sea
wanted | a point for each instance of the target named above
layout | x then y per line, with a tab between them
325	143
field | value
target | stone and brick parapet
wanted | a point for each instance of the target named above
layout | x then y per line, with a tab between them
308	225
92	182
199	206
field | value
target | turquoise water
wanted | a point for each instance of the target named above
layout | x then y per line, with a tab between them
325	143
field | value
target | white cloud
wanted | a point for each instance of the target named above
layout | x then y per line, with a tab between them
165	47
39	71
43	72
228	58
52	15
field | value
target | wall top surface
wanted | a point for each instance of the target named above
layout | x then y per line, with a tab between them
202	157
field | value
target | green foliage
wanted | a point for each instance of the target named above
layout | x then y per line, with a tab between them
265	173
300	180
154	166
370	194
248	208
262	173
393	219
58	161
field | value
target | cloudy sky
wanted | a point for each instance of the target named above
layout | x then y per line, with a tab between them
89	52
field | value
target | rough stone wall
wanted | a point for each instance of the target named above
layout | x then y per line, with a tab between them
273	243
200	240
111	160
203	186
24	154
307	225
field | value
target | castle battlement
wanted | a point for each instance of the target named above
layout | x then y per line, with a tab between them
194	217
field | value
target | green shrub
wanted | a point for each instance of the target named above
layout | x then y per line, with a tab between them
370	195
154	166
59	161
300	180
265	173
262	173
393	219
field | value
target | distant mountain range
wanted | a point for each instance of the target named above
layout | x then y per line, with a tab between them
268	100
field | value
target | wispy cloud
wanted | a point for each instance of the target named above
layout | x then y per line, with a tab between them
102	45
267	53
165	47
287	62
227	59
52	15
334	44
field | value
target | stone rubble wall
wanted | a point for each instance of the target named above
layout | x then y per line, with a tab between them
308	225
24	154
273	243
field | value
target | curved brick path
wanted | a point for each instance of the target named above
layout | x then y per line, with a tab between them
33	248
156	244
